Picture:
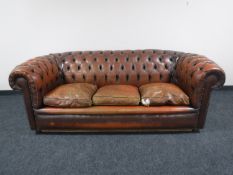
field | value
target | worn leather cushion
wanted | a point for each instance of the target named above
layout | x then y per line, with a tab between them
117	95
162	94
71	95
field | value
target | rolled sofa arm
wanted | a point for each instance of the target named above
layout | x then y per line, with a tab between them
197	76
41	75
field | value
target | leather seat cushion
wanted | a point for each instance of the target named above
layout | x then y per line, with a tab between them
71	95
117	95
162	94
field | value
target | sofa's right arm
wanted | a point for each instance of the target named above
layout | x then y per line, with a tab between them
35	78
197	76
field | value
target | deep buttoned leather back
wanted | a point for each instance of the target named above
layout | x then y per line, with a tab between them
118	67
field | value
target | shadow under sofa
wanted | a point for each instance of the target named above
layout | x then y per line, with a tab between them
196	75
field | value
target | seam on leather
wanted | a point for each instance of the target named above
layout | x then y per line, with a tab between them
71	99
111	97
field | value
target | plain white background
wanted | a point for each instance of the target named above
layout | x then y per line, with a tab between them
30	28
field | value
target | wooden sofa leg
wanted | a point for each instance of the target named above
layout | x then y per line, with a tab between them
196	130
38	131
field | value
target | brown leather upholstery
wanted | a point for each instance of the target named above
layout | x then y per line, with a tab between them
116	95
71	95
194	74
42	75
197	76
162	94
118	67
119	123
118	110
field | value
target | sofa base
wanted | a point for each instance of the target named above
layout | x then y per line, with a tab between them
185	130
116	123
116	119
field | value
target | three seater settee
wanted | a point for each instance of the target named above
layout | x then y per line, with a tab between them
111	91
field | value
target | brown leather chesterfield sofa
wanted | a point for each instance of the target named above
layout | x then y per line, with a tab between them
184	104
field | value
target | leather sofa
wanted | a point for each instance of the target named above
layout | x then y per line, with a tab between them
196	75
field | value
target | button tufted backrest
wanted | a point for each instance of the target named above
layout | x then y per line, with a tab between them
134	67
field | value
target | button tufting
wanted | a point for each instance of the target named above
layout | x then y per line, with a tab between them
111	67
194	64
120	67
117	77
149	77
100	67
133	67
41	77
144	67
160	59
127	77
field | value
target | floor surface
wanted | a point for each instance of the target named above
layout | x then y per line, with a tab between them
208	152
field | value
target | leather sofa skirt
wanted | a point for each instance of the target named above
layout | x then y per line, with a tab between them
121	119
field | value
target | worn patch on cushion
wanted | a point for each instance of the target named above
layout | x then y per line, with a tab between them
71	95
162	94
117	95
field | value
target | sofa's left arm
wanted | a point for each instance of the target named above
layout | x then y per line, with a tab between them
197	76
35	78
